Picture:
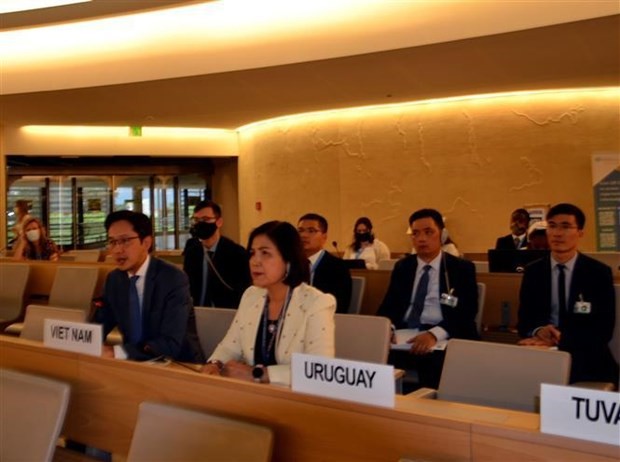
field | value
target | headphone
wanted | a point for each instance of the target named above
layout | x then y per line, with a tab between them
444	236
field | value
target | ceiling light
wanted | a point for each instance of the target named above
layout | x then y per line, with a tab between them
12	6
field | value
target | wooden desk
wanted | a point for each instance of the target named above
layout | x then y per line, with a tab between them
106	393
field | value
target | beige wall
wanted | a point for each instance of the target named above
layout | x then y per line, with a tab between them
473	159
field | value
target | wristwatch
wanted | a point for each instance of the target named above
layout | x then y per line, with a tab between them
258	372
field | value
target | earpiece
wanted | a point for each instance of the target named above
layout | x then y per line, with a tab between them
287	270
444	236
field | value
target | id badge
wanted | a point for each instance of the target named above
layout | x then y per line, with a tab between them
449	300
582	307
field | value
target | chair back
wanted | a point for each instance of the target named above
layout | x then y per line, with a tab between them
387	265
500	375
358	285
74	287
362	338
87	255
481	266
212	325
166	432
482	295
32	412
13	281
614	344
36	315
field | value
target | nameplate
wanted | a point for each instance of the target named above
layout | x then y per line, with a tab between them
73	336
580	413
357	381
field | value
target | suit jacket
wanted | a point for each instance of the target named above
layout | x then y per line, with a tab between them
585	336
458	321
308	328
168	321
508	243
333	277
231	261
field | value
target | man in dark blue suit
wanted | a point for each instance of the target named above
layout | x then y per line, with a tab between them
329	274
517	239
567	300
147	298
433	292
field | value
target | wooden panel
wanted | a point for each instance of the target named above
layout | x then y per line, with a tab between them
377	282
501	288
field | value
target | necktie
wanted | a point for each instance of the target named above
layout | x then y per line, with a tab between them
561	290
418	299
517	242
205	298
135	316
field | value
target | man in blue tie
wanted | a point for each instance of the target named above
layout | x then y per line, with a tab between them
432	292
147	298
567	300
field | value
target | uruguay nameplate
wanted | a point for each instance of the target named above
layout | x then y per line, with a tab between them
580	413
357	381
73	336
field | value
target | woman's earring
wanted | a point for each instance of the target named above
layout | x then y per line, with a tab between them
288	269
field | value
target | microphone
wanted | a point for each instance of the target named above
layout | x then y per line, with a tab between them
335	244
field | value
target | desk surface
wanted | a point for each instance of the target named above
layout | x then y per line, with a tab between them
106	394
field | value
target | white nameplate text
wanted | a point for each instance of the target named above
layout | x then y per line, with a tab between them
73	336
357	381
580	413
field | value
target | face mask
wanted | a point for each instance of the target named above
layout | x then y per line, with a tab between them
203	230
362	237
33	235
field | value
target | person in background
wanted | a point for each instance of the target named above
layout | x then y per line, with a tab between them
537	236
447	244
146	298
517	239
366	246
329	274
21	213
434	295
567	300
216	266
280	314
33	243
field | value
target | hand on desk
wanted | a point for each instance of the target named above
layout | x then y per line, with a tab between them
238	370
546	336
211	369
422	344
107	351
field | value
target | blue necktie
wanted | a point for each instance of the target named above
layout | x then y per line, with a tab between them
135	316
418	299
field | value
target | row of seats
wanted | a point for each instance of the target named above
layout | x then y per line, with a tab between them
33	408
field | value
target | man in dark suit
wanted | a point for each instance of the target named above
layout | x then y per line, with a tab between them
218	268
147	298
433	292
567	300
329	274
517	239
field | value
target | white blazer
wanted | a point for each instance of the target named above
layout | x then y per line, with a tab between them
308	328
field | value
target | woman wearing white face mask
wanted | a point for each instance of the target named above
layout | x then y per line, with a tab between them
34	244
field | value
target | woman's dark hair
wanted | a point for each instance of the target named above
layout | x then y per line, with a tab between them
362	221
286	239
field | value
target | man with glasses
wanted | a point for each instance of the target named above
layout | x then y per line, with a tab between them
218	268
567	300
146	298
329	274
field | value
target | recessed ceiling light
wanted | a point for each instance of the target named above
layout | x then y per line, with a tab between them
13	6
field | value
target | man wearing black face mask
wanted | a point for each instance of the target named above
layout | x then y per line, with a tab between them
218	268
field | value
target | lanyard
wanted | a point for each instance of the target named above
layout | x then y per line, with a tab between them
266	349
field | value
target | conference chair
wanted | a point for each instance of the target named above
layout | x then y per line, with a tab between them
32	412
36	315
497	374
481	266
91	256
74	287
362	338
165	433
387	265
358	285
482	295
212	325
13	281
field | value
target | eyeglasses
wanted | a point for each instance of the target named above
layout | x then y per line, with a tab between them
204	219
121	241
308	230
560	226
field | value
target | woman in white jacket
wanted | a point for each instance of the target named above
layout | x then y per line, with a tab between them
278	315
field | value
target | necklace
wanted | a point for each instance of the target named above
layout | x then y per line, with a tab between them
270	328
